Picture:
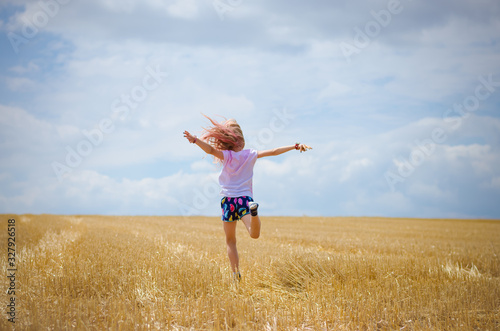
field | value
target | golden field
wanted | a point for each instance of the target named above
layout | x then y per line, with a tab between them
303	273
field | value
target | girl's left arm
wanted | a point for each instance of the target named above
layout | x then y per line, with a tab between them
284	149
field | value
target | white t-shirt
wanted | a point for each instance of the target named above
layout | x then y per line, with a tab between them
237	172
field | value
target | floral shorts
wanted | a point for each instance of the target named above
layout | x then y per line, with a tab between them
233	209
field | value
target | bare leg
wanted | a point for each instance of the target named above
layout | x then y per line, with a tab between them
232	251
252	223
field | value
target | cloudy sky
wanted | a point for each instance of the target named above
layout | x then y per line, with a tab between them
399	99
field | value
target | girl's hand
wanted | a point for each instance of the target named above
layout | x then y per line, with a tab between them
190	137
304	147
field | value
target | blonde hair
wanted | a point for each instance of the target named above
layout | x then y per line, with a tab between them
224	136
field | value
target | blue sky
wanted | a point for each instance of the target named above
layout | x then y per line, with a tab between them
399	99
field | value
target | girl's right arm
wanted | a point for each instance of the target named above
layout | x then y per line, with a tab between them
204	146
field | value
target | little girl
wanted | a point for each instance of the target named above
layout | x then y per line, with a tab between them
225	142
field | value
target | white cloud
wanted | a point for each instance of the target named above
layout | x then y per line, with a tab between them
359	117
19	125
428	191
30	67
205	165
187	9
17	84
474	151
352	167
125	6
91	192
333	89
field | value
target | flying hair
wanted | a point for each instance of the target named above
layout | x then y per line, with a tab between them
224	136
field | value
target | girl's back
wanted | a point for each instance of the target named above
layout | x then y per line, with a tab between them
237	172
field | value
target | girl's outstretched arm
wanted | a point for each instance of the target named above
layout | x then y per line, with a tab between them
204	146
284	149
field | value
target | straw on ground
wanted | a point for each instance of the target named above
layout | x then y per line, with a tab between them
155	273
